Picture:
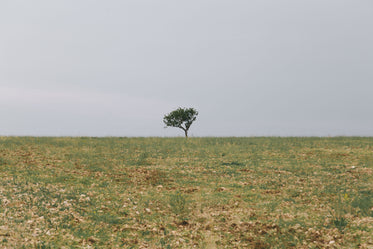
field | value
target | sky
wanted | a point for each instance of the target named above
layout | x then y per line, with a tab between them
251	68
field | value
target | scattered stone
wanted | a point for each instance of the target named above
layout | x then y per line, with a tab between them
92	240
221	189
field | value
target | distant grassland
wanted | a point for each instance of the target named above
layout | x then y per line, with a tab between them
186	193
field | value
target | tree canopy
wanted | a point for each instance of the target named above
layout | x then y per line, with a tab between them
181	118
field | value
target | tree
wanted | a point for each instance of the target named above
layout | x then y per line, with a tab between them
181	118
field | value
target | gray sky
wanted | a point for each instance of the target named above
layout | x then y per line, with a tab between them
251	68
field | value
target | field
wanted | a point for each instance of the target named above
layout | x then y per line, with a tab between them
259	192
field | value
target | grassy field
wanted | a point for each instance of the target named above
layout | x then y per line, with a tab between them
178	193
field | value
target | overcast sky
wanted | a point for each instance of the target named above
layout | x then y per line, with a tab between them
250	67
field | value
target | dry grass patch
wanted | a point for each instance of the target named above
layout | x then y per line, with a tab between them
177	193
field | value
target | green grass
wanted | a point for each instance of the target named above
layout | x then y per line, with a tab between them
260	192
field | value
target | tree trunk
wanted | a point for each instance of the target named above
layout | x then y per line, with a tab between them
186	133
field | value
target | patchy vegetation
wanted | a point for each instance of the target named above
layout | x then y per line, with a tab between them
177	193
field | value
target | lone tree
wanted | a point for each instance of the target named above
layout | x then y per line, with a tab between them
181	118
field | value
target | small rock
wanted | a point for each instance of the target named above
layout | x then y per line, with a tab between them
92	239
221	189
297	226
66	203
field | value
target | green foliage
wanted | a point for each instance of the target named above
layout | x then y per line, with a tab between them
181	118
340	222
340	207
42	245
364	203
178	205
3	161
